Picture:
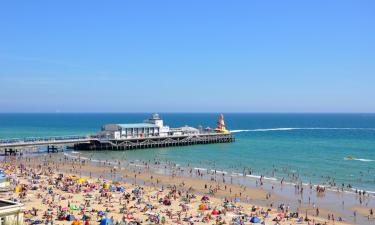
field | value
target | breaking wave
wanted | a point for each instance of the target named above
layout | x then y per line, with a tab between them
301	128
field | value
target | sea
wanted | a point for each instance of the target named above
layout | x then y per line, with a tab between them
327	149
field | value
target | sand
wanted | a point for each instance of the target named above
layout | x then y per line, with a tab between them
154	187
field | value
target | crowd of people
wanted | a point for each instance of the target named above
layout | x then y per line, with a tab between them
52	196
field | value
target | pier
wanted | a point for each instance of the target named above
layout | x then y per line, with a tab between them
54	144
154	142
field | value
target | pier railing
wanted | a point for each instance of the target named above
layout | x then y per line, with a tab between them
78	139
29	141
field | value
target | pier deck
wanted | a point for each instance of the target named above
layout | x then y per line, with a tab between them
13	146
53	144
155	142
40	141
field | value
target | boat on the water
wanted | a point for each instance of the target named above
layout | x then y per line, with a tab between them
349	157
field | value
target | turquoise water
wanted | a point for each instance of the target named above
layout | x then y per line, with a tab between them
310	146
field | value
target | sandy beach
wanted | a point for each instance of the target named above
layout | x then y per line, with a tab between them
60	190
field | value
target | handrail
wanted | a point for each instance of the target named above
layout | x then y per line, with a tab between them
78	138
42	139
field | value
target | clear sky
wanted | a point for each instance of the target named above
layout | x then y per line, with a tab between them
187	56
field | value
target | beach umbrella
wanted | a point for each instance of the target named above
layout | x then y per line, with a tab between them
203	207
167	202
82	180
86	217
112	188
135	190
17	189
37	222
74	207
120	189
215	212
70	217
228	205
101	213
205	198
106	221
254	219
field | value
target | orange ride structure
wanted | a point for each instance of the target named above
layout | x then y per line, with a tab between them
221	125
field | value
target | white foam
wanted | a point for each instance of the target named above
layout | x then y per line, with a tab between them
270	178
236	174
365	160
197	168
237	131
362	160
218	171
302	128
258	177
265	129
253	176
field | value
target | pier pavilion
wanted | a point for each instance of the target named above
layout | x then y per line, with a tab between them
11	213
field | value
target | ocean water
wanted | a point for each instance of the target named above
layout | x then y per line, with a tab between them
309	147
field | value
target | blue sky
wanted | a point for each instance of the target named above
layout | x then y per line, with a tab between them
187	56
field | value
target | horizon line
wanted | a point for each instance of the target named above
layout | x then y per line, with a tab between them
182	112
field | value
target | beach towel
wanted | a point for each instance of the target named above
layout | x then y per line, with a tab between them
106	221
70	217
74	207
255	219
